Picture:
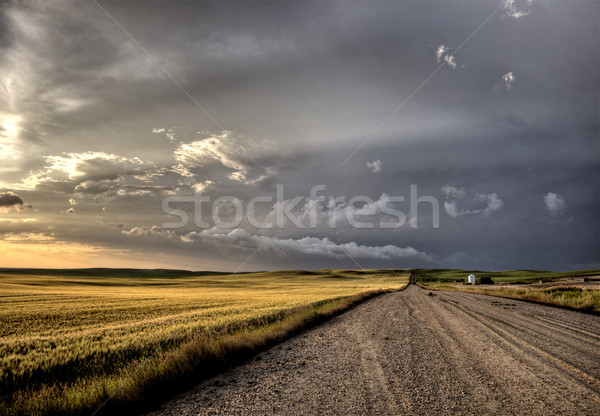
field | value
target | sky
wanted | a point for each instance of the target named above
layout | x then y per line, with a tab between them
250	135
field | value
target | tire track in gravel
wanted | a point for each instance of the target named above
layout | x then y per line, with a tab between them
528	332
380	400
411	353
543	366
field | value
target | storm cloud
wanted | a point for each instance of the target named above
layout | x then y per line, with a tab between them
10	200
490	108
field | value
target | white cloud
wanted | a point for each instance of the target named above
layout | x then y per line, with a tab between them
174	134
494	203
375	166
517	8
95	165
88	166
305	245
450	61
439	53
216	160
145	231
218	147
555	203
451	209
508	79
96	173
453	192
225	158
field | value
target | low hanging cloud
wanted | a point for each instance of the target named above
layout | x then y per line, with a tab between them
375	166
10	200
517	8
555	203
305	245
508	79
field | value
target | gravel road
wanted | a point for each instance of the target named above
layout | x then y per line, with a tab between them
412	353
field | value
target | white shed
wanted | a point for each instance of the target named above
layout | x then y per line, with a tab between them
472	279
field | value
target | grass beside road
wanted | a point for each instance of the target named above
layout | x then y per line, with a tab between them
567	295
68	342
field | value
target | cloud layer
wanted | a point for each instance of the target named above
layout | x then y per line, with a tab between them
306	245
92	128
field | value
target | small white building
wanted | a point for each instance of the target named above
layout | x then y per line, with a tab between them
471	279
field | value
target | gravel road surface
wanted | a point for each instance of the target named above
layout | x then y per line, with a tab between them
411	353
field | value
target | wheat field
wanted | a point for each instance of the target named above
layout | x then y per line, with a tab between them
69	341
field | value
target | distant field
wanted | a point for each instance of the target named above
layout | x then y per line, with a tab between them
508	276
71	339
552	288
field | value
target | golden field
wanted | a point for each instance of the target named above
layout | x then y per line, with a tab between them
69	341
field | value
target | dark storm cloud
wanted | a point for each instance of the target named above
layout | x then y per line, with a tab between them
10	200
298	86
